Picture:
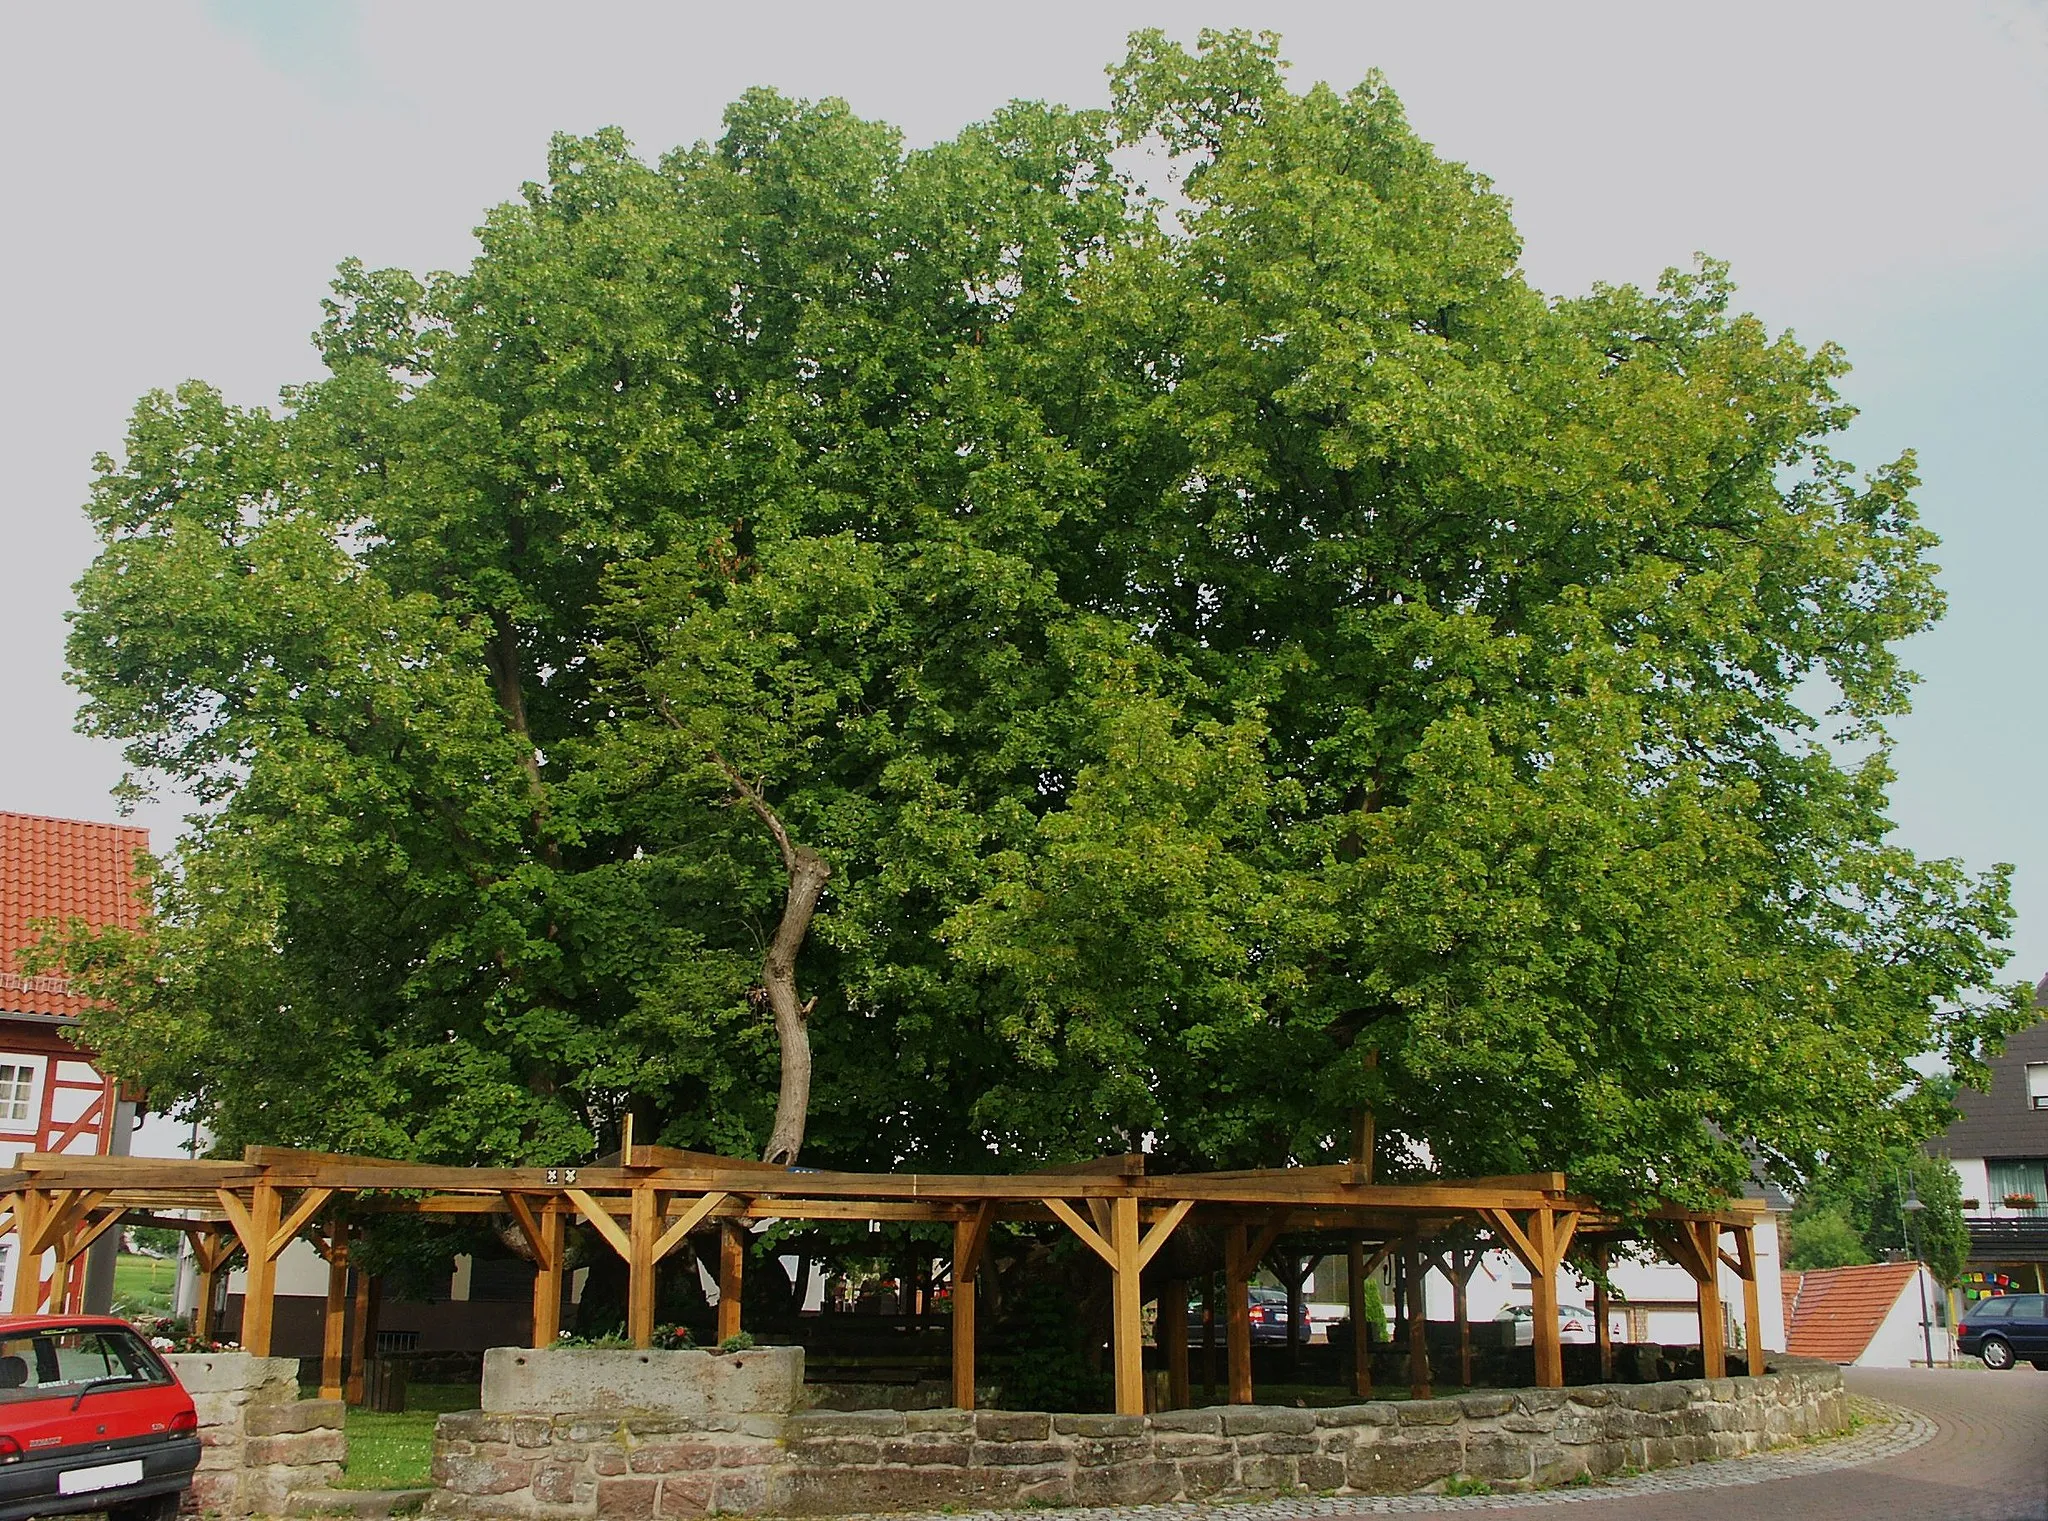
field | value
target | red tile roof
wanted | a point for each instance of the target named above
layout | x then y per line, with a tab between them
60	869
1832	1313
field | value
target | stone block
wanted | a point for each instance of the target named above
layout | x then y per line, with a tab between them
298	1448
743	1492
481	1476
1203	1477
1320	1474
217	1409
1496	1455
1268	1472
472	1426
949	1422
213	1491
672	1457
1399	1465
1596	1397
687	1495
609	1462
1099	1425
531	1431
750	1454
843	1452
1137	1483
1018	1454
1248	1420
1539	1401
851	1423
283	1417
1011	1426
1103	1452
1428	1412
1372	1413
815	1492
274	1378
1190	1444
553	1484
1186	1420
691	1384
1275	1443
626	1497
1482	1407
917	1451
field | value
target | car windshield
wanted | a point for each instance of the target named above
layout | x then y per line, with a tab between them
53	1361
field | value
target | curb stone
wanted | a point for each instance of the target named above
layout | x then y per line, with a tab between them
1893	1431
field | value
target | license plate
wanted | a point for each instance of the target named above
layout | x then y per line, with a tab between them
83	1481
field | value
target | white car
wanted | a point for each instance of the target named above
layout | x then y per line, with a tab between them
1575	1325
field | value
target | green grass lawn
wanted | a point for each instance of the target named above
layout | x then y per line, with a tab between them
396	1451
143	1285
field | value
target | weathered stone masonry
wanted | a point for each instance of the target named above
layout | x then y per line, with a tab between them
621	1462
259	1442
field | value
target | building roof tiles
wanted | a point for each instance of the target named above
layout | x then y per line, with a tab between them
60	869
1832	1313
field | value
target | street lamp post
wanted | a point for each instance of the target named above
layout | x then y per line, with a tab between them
1912	1209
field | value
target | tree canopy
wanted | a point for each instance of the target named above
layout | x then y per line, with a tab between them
1163	664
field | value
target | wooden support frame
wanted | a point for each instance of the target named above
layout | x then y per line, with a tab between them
1541	1237
1417	1277
970	1245
1603	1329
1695	1245
334	1316
732	1266
1752	1306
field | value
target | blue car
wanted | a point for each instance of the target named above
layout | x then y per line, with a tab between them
2004	1329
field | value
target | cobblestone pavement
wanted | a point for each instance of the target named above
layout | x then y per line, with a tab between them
1942	1446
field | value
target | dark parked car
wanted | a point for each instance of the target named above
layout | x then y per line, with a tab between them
91	1419
1267	1313
2004	1329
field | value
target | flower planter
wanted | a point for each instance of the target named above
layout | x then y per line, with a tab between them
2021	1201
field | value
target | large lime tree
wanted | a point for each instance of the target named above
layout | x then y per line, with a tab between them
951	656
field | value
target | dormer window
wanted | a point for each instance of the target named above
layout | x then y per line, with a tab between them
2037	1085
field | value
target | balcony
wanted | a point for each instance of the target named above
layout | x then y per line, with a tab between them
2009	1238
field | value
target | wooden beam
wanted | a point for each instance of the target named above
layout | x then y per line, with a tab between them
309	1203
1752	1306
1706	1239
641	1266
732	1263
1162	1228
530	1228
334	1318
1418	1322
259	1292
1127	1308
976	1243
601	1218
966	1266
1361	1343
1071	1218
1238	1267
1172	1331
1603	1330
688	1221
1541	1235
551	1270
28	1266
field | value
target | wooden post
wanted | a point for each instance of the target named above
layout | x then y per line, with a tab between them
362	1339
29	1215
1543	1300
1173	1338
1210	1312
1752	1307
1461	1275
1361	1343
1128	1307
1603	1333
732	1262
1237	1308
548	1273
1418	1321
259	1299
1713	1344
334	1319
965	1271
645	1222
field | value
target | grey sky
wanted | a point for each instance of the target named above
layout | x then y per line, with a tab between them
185	177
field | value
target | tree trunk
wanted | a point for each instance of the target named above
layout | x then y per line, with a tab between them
808	874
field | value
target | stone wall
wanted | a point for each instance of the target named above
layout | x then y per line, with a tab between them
618	1462
259	1442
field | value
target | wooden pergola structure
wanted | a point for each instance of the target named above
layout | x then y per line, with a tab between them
644	1204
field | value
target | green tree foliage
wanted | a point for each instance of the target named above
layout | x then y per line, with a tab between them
1182	649
1854	1216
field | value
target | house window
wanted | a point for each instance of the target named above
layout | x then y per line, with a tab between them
2037	1085
17	1088
2009	1178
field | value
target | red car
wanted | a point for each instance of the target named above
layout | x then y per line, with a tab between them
91	1419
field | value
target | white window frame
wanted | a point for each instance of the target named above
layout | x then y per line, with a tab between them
2037	1085
38	1073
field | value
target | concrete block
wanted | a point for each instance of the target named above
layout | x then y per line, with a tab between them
690	1384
